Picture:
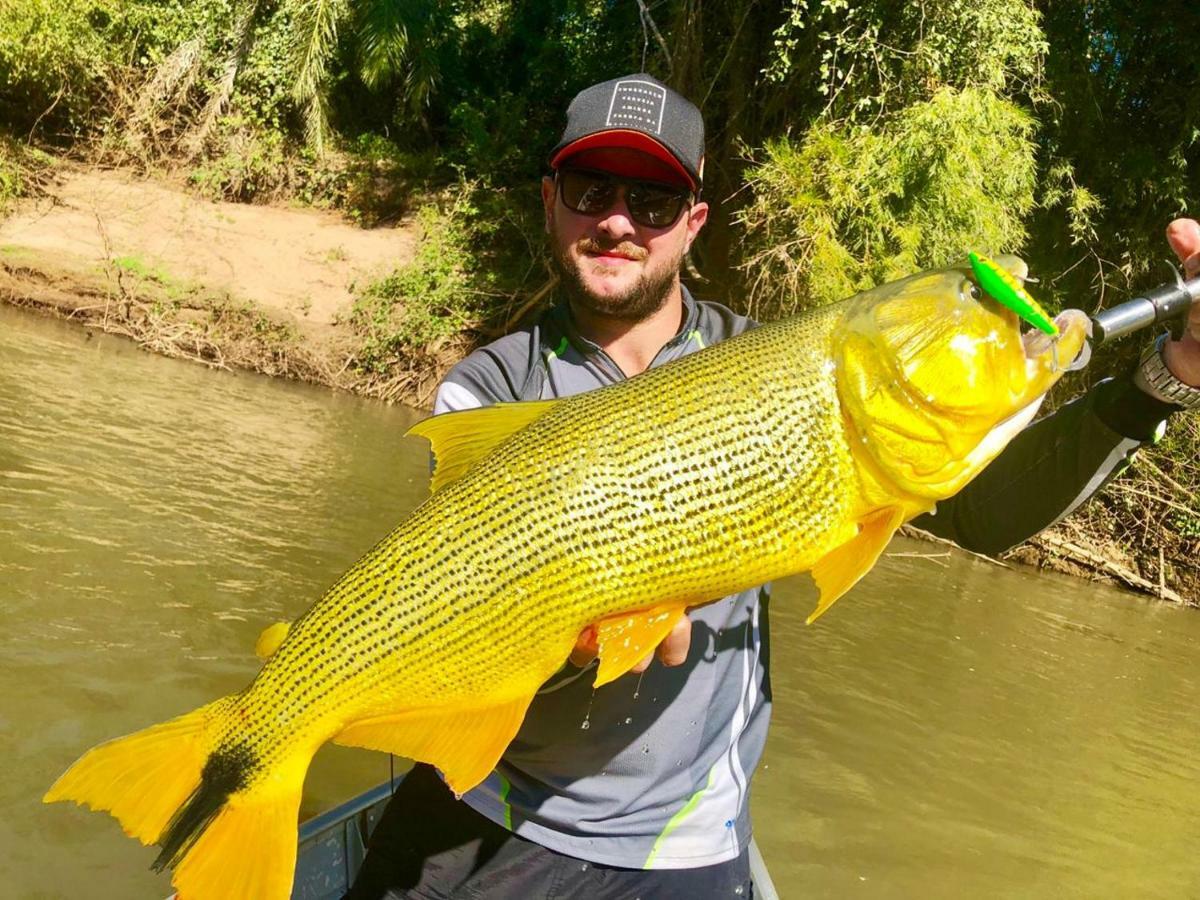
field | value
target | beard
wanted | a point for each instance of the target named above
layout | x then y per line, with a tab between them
642	299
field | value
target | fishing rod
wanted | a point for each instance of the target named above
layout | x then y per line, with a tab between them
1167	303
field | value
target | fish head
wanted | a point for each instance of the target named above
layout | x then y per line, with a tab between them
935	377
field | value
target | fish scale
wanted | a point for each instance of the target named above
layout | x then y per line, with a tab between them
778	451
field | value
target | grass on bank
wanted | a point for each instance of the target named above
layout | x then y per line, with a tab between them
24	170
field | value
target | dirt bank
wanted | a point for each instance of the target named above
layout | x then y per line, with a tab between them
268	289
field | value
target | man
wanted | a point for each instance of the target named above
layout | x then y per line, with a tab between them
640	788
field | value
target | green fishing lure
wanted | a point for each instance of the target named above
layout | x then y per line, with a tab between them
1001	286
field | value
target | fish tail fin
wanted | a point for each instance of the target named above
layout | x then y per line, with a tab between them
144	777
226	830
234	841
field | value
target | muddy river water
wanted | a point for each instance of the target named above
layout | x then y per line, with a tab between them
952	728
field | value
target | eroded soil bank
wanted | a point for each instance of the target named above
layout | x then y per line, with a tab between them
269	289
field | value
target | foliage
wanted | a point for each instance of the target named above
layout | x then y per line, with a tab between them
847	207
1120	138
439	293
869	57
22	170
381	181
55	60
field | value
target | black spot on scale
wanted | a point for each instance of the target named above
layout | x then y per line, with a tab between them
226	772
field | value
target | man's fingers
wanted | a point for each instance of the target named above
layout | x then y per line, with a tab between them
585	647
1184	237
674	648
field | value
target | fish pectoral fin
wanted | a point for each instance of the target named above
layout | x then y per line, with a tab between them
270	639
465	744
842	567
625	640
460	439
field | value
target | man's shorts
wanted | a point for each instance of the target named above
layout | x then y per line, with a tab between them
428	845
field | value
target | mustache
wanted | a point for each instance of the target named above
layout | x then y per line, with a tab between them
624	248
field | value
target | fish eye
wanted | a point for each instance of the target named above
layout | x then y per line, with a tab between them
971	290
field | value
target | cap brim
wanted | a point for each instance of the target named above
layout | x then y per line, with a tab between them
632	140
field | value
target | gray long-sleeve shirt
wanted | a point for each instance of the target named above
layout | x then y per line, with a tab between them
655	772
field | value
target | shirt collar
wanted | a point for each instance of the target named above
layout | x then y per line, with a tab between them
566	323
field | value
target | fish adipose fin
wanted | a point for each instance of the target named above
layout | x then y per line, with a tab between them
625	640
270	639
461	439
841	568
464	744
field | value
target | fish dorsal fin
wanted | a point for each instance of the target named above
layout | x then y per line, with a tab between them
464	744
842	567
625	640
270	639
460	439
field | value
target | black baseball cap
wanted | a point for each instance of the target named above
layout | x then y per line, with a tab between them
641	113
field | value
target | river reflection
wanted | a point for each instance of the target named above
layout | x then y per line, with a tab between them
951	728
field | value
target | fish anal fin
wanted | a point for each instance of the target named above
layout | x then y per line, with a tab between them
625	640
841	568
465	744
460	439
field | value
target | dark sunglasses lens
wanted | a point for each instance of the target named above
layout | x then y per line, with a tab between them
653	205
584	193
649	204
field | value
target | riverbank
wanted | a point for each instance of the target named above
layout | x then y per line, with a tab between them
263	288
272	289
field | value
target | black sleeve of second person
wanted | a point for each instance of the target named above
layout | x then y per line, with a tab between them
1049	469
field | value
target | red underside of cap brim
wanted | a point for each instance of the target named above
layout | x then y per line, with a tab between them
630	168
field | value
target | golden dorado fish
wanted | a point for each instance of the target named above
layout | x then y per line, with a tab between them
800	445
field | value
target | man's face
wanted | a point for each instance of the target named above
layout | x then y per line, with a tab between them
608	263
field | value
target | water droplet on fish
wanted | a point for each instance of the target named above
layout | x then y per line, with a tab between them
628	720
739	890
585	725
645	748
583	868
637	691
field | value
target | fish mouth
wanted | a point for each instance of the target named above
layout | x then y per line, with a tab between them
1074	331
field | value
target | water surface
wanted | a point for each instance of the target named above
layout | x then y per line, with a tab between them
950	728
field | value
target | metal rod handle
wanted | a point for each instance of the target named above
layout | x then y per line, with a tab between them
1161	304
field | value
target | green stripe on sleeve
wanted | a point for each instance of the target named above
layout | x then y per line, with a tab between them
505	787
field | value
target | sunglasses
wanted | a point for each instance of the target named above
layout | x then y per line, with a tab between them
650	203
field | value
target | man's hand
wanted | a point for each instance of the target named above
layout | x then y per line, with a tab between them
671	652
1183	356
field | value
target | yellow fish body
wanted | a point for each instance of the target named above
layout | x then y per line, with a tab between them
800	445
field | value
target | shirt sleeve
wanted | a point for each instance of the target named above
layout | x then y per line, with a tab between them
1050	468
485	377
